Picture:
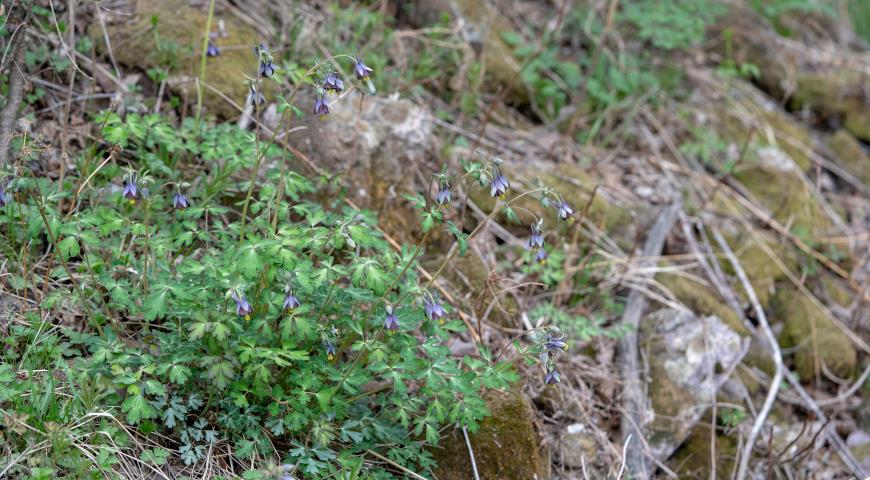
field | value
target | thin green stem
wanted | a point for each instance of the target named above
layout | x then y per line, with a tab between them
262	153
72	278
202	57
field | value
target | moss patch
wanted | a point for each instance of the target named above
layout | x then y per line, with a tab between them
837	92
178	24
851	155
506	446
692	460
772	125
818	340
701	300
762	271
785	195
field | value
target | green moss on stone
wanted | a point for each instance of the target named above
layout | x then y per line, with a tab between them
762	271
817	340
837	92
787	134
692	460
786	196
701	300
134	45
506	446
851	155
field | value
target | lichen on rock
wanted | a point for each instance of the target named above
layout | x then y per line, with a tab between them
377	145
689	358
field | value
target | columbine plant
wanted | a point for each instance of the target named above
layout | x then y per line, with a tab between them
272	324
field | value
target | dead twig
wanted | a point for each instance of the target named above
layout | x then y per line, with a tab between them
632	393
746	454
9	115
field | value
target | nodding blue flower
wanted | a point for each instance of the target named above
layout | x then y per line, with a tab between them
256	99
499	185
555	343
552	377
391	322
243	308
444	196
536	241
330	349
212	50
131	193
563	210
433	309
267	69
552	346
541	256
290	300
320	106
180	201
332	84
5	199
360	69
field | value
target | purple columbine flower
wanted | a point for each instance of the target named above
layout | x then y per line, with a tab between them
243	308
267	69
555	344
443	197
131	193
499	185
360	69
180	201
433	309
536	241
541	256
391	322
5	199
563	210
212	50
256	99
291	301
320	106
330	349
552	377
552	346
332	84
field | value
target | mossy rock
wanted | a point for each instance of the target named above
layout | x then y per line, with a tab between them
683	350
182	27
807	78
768	123
785	195
505	446
851	155
761	270
836	293
828	346
839	93
692	460
702	300
573	182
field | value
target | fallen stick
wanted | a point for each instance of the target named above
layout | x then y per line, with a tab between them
633	399
746	454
